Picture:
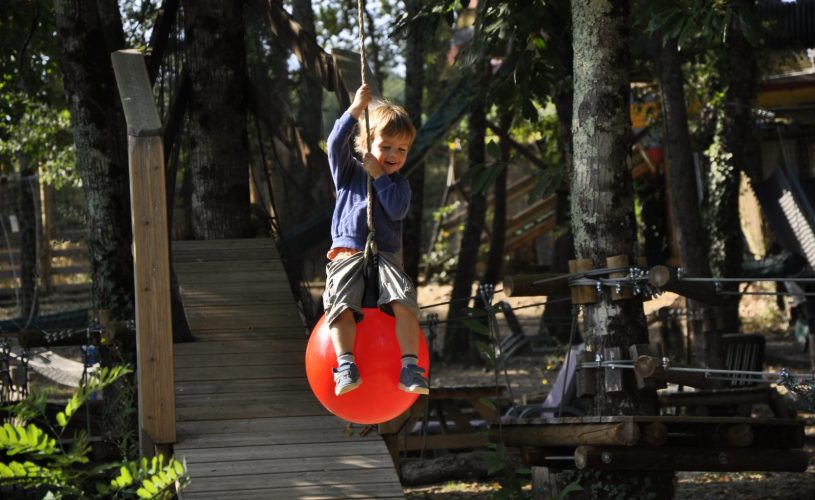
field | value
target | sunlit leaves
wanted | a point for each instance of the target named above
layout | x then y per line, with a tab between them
45	468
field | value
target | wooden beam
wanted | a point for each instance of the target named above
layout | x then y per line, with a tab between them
665	278
690	459
151	259
534	285
546	435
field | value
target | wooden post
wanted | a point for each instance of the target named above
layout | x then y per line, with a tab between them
619	261
582	294
46	199
151	259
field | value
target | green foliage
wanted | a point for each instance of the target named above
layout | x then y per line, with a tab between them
42	134
34	120
703	20
35	460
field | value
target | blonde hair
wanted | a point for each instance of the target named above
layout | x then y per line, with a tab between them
385	119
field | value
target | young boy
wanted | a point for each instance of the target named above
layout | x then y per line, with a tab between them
391	135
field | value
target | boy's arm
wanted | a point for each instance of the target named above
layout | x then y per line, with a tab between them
339	151
393	195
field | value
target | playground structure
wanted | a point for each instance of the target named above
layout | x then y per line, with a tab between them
214	421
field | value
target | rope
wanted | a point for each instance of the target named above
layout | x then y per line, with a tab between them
371	249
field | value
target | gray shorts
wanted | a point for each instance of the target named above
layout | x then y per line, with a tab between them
345	285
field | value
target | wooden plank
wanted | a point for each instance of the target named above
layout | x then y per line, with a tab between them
191	387
274	437
239	243
299	450
305	464
214	427
662	418
282	364
380	491
241	346
259	275
350	479
227	266
285	333
287	407
205	373
296	391
206	299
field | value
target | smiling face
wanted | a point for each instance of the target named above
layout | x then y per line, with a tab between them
391	151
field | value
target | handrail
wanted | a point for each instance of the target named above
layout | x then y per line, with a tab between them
151	260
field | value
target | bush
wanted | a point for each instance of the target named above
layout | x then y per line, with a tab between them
36	459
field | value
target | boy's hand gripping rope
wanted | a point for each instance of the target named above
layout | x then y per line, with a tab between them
371	249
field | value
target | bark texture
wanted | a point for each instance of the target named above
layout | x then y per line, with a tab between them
414	88
603	209
457	340
684	197
310	91
216	57
28	187
86	41
495	258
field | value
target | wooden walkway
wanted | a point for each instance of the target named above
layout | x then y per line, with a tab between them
248	424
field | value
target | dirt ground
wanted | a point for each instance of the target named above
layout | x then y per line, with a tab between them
529	378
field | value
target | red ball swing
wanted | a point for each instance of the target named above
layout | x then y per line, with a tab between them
378	357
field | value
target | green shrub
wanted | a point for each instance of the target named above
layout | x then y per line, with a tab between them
36	459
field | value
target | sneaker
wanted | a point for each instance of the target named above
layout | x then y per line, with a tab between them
411	380
346	378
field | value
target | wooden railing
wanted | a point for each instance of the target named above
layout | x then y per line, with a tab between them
151	261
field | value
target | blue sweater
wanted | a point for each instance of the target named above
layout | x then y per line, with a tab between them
349	225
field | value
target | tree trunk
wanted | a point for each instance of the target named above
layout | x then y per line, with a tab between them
101	145
27	217
555	320
495	257
457	343
603	211
310	92
728	156
684	197
414	87
216	57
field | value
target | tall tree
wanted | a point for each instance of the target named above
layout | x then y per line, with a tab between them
414	89
457	344
684	197
728	154
216	58
86	39
602	209
310	91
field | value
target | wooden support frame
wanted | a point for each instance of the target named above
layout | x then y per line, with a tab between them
151	257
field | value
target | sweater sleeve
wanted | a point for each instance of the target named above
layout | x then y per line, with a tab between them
393	193
339	151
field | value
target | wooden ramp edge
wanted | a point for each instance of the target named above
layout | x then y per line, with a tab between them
247	423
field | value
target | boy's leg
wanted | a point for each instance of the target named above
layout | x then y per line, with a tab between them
411	378
342	295
343	331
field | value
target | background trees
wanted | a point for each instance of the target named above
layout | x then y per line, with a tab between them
530	76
